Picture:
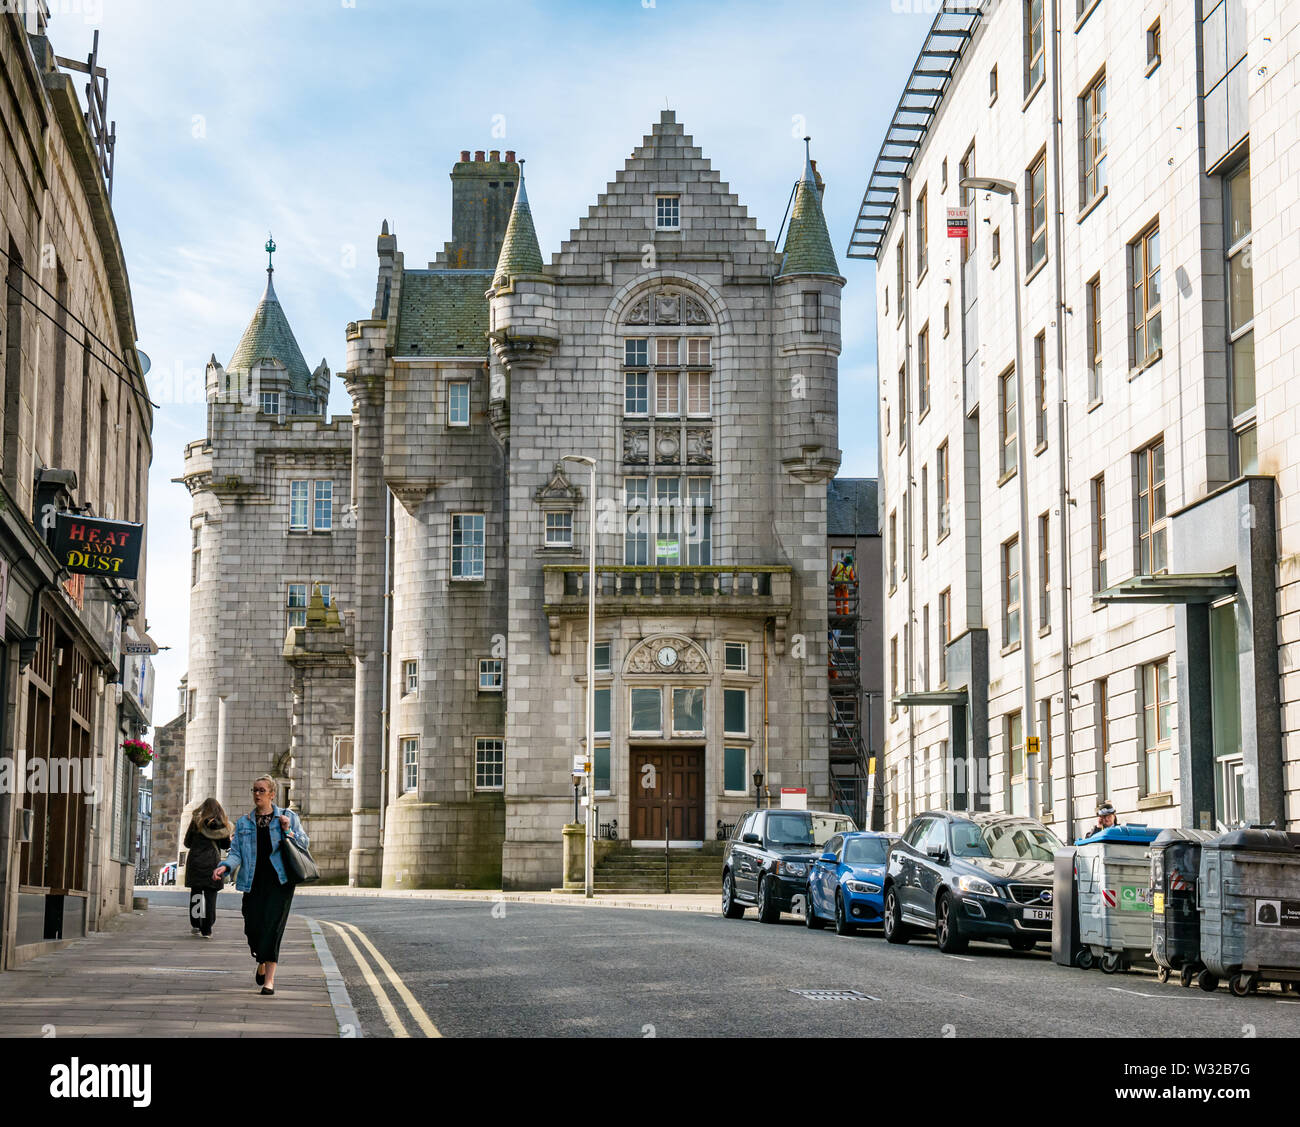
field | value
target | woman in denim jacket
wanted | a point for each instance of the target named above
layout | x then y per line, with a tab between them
268	893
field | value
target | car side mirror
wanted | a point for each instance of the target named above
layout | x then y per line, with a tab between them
752	839
830	857
936	851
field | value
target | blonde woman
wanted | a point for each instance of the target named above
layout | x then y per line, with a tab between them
268	893
207	836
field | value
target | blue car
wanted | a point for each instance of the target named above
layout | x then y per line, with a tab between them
846	882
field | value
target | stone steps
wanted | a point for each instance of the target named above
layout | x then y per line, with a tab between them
642	870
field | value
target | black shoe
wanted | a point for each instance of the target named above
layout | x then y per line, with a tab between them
260	977
267	990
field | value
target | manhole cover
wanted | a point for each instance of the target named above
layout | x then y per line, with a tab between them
836	995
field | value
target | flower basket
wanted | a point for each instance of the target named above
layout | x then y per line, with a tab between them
139	752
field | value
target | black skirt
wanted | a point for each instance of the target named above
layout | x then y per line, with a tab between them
266	906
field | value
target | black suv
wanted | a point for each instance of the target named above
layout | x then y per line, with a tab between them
971	876
767	859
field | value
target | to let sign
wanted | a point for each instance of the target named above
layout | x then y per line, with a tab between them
93	546
959	223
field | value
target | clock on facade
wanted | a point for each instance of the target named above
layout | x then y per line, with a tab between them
667	657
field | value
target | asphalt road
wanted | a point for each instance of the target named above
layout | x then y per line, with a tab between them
527	970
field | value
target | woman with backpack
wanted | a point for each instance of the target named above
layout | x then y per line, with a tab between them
207	837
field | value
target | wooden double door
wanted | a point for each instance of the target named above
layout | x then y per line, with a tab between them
667	783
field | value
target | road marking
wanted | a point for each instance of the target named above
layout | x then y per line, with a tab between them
959	958
417	1011
385	1004
1139	994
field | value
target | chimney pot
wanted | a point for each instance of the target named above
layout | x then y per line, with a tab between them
464	154
479	154
510	156
495	156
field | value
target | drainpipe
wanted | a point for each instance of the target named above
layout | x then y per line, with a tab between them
766	770
1063	421
388	662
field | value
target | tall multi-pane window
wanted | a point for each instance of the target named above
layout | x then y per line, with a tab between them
942	494
1157	742
297	604
1241	318
467	546
923	371
1013	735
1101	737
1144	275
343	757
1152	553
945	632
411	677
1094	339
902	407
1034	49
1040	387
298	506
196	558
636	536
925	511
1011	592
893	676
922	231
667	521
323	507
893	549
1007	419
1044	571
925	647
1045	750
698	523
1036	212
458	403
1093	119
636	377
491	674
410	765
1099	533
812	311
907	532
559	529
964	171
902	277
489	764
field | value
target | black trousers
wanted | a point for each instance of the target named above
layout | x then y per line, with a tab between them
203	909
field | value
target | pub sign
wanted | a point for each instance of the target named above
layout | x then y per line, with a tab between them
94	546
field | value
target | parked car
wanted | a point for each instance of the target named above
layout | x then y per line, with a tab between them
766	861
971	876
846	883
167	874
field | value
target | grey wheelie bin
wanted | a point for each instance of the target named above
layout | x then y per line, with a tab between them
1114	879
1249	895
1175	920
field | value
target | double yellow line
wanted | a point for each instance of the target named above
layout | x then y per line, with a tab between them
386	1006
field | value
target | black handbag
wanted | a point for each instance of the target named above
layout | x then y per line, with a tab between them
299	864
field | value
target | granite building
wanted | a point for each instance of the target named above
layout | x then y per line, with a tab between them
669	340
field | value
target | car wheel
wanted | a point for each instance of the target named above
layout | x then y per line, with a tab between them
947	927
1207	981
810	916
730	909
842	924
895	930
768	912
1023	943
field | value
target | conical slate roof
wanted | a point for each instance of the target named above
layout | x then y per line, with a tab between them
808	244
268	337
520	253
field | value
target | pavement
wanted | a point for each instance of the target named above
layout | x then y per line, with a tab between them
660	901
148	975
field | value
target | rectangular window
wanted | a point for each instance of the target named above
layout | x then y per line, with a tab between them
902	278
688	711
993	85
893	677
600	769
1014	750
964	171
603	657
923	371
996	258
903	421
323	507
667	521
947	319
600	710
636	535
1045	752
945	632
491	674
1144	274
922	232
907	532
489	764
1099	533
699	521
698	397
668	395
1101	714
636	352
297	604
942	490
1036	212
559	530
1040	388
1094	340
1034	50
1241	318
1152	554
1011	592
668	213
735	770
458	403
410	765
698	352
737	657
893	550
812	312
925	511
1044	571
196	557
467	546
1007	420
411	676
668	351
298	506
735	720
943	175
925	647
1157	742
1153	46
645	712
270	403
343	757
636	401
1093	118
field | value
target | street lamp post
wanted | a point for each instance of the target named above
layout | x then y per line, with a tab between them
758	788
1008	188
590	758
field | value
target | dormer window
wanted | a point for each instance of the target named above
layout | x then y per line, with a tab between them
270	403
668	213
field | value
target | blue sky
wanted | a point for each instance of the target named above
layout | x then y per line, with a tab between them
318	119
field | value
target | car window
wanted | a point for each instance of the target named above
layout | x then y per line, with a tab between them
1021	841
745	826
917	832
935	835
824	826
834	845
968	841
866	851
789	827
756	826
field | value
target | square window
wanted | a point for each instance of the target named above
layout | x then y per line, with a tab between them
603	657
667	352
467	546
735	712
646	711
270	403
411	676
323	510
342	757
636	353
698	352
410	765
737	657
668	213
688	711
735	773
636	394
489	764
458	403
297	506
559	530
490	674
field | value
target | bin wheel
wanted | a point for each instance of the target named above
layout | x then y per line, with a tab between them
1207	981
1242	984
1162	974
1084	960
1111	961
1186	977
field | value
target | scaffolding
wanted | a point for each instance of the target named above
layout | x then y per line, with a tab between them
851	792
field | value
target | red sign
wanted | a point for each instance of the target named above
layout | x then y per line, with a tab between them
959	223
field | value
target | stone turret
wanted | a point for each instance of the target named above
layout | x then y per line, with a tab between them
808	287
